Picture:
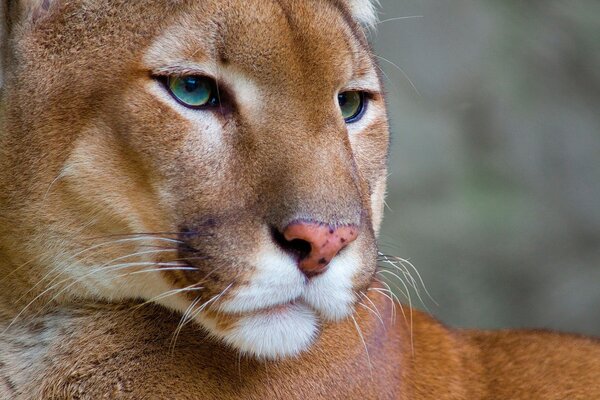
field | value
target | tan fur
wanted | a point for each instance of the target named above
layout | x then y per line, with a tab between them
100	167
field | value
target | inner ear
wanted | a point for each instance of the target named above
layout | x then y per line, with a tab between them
23	10
36	9
40	9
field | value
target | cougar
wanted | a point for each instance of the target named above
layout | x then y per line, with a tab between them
190	196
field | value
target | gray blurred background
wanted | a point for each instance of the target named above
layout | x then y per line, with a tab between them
494	191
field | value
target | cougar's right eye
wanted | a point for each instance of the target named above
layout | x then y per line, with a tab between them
352	105
193	91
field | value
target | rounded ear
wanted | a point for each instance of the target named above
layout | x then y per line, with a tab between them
364	11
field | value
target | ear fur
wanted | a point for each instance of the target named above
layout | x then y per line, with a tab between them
3	37
34	9
364	11
14	11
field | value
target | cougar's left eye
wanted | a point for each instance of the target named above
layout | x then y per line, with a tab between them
352	105
193	91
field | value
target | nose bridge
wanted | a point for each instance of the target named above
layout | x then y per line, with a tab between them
312	172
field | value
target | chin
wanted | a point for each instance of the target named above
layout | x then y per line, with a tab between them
276	333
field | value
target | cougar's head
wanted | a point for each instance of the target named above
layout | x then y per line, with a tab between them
223	158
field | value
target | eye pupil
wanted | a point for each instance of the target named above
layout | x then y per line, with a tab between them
191	84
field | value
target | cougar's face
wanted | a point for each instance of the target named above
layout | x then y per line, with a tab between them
225	159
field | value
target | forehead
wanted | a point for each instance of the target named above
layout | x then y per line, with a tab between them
266	39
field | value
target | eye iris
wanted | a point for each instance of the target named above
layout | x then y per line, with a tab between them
193	91
351	104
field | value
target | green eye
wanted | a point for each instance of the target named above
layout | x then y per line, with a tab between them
352	105
193	91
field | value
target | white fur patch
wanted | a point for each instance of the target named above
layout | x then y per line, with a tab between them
277	280
378	203
364	11
332	292
274	334
280	308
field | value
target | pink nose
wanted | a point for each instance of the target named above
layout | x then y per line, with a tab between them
322	243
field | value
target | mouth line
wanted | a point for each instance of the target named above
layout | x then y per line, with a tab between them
278	309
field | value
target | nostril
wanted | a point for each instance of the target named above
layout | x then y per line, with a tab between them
314	244
299	247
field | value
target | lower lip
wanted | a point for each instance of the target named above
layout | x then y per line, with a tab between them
280	308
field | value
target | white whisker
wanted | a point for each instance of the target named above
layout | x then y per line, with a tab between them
410	308
144	271
407	262
190	315
402	72
104	267
383	21
374	306
393	303
362	338
366	307
169	293
74	257
181	322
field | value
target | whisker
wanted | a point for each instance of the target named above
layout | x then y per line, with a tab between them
38	258
114	267
181	321
191	315
410	280
391	292
168	293
363	305
154	234
410	309
58	274
77	280
88	249
239	365
404	271
391	82
383	21
402	72
405	293
362	338
169	267
411	265
374	306
197	312
393	310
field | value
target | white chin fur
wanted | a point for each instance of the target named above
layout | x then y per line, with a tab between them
276	280
288	329
274	334
331	293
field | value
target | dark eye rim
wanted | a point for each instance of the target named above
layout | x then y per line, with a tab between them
216	100
364	99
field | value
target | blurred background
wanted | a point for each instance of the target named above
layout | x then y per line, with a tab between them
494	186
